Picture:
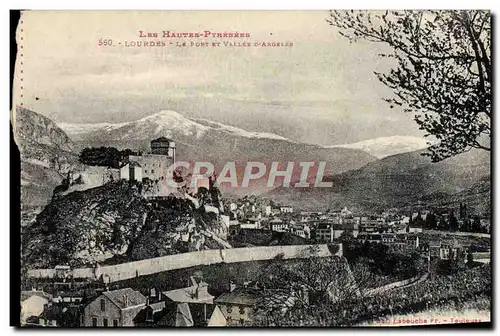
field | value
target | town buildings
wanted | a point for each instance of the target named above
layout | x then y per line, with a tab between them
239	307
152	166
446	251
118	308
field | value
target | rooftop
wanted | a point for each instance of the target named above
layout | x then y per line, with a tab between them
118	297
192	294
161	139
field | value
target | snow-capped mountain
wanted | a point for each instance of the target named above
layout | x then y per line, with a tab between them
238	131
75	129
166	123
205	140
387	146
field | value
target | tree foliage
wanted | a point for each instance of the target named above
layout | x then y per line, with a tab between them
441	72
105	156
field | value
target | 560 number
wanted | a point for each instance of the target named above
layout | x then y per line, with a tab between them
105	42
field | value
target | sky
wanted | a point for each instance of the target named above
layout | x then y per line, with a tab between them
323	90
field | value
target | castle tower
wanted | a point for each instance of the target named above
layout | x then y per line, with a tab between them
171	150
163	146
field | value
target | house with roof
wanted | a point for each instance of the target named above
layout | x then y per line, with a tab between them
131	171
446	250
152	167
370	237
251	223
301	230
389	238
187	307
32	304
415	227
327	231
239	307
57	315
117	308
278	225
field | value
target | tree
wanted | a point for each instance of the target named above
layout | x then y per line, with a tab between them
476	224
443	223
320	287
105	156
430	221
441	71
418	221
470	259
453	222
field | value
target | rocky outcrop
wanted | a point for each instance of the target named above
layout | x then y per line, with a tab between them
114	222
33	127
46	156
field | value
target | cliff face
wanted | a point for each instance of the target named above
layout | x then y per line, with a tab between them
33	127
114	222
46	156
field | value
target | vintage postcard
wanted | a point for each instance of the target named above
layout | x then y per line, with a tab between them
254	168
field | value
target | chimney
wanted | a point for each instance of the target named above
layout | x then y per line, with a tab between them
125	300
159	295
202	290
304	293
232	286
147	301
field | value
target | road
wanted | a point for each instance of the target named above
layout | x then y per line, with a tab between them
397	284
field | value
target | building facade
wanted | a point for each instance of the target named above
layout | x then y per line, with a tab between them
118	308
154	165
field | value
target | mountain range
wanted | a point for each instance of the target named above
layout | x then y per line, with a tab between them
401	180
358	176
386	146
204	140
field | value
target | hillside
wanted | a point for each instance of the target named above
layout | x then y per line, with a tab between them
395	181
33	127
114	221
477	197
46	156
257	237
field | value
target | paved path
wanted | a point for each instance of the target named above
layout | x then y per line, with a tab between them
398	284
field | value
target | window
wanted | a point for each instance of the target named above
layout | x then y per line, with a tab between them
105	321
152	171
242	321
146	171
115	323
103	305
149	316
229	309
94	321
229	320
242	310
